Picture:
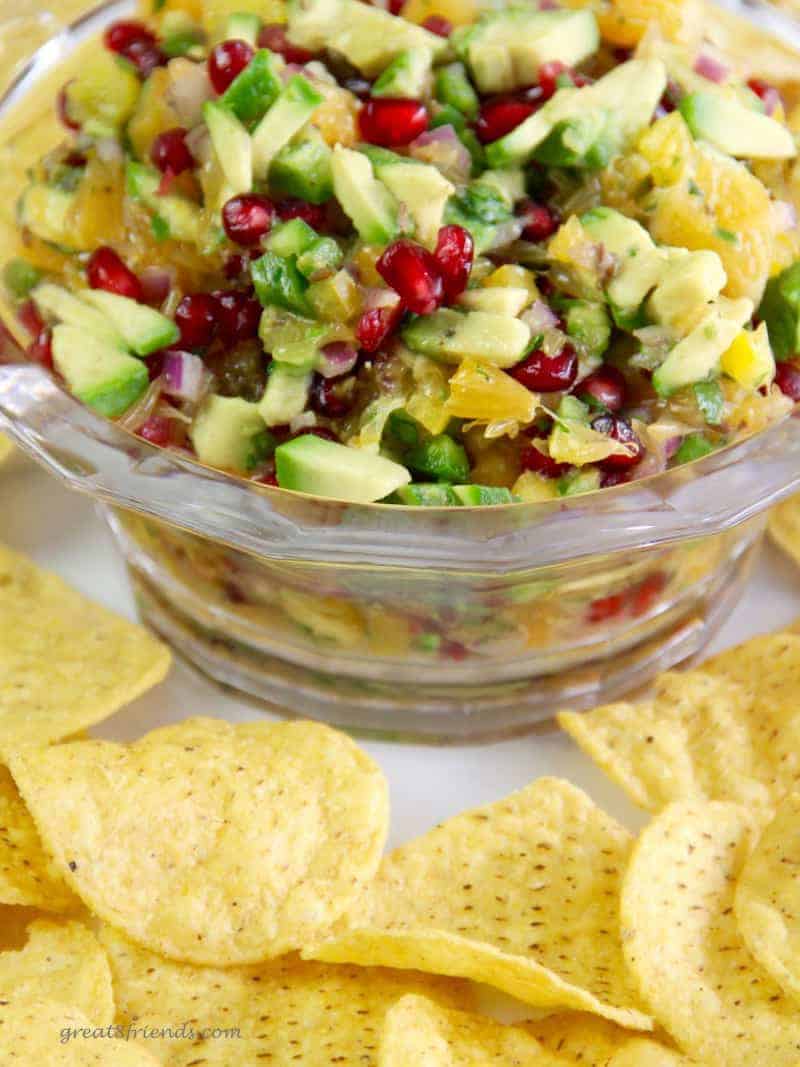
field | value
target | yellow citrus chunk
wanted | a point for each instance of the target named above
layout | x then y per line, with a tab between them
459	12
749	360
511	275
533	488
479	390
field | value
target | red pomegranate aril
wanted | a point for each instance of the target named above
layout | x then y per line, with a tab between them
105	270
238	317
500	116
439	25
646	593
375	326
547	374
121	36
618	428
331	398
540	221
196	318
235	266
611	478
313	214
396	6
455	251
269	478
274	37
170	153
766	93
31	320
41	350
227	61
155	364
787	379
548	77
533	459
157	430
414	274
145	57
606	607
248	218
62	108
317	431
390	121
607	386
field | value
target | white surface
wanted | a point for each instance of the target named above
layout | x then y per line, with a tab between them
61	531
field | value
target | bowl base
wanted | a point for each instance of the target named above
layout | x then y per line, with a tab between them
442	714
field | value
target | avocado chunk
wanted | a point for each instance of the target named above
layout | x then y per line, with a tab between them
427	495
286	394
60	304
624	101
292	109
505	50
697	356
482	496
451	336
588	324
440	458
103	95
640	263
98	374
291	238
20	277
454	89
242	26
45	210
278	281
183	218
407	76
368	37
369	204
302	169
780	309
507	300
309	464
482	209
322	258
233	147
693	446
735	129
689	282
143	329
423	189
228	432
255	90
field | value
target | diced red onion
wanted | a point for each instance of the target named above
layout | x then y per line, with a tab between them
539	317
548	5
671	446
444	149
711	68
337	359
156	284
183	376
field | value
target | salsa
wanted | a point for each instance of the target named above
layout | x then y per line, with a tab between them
427	261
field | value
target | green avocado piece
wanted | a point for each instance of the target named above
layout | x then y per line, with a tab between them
320	259
45	211
450	336
291	110
440	458
255	90
482	496
588	324
278	281
369	204
698	356
143	329
427	495
229	432
309	464
425	192
780	309
710	401
302	169
736	129
59	303
641	264
103	94
481	208
242	26
183	218
407	76
19	277
693	446
286	394
453	88
233	147
291	238
100	375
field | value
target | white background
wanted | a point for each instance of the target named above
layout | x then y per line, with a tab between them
62	532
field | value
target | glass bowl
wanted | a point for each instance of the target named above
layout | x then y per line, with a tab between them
447	624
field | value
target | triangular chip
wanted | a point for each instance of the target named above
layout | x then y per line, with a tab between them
14	923
418	1031
65	663
44	1034
729	731
28	876
211	842
522	895
683	947
63	963
768	898
594	1042
286	1012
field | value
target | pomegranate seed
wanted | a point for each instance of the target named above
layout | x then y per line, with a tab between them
414	274
500	116
248	218
269	478
581	80
548	77
155	364
455	251
454	650
32	321
331	398
239	315
766	93
391	122
787	379
533	459
317	431
120	36
619	429
396	6
375	326
105	270
62	108
235	266
647	593
606	608
145	57
439	25
612	478
227	61
607	386
196	318
547	374
157	430
313	214
41	350
75	159
170	153
274	37
540	221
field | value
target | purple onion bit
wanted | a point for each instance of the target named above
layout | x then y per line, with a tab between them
337	359
183	376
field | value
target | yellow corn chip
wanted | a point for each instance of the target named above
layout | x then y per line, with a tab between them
63	963
14	923
728	731
768	898
28	875
286	1011
595	1042
522	895
65	663
419	1031
784	527
210	842
683	947
39	1033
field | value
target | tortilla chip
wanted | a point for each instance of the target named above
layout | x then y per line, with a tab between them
768	898
49	1035
522	895
63	963
65	663
594	1042
14	923
683	947
210	842
784	527
728	731
28	875
418	1031
286	1011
